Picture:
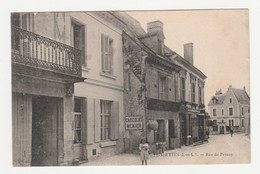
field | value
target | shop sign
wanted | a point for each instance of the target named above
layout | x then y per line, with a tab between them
134	123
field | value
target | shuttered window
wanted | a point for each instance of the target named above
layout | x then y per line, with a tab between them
109	120
107	54
105	116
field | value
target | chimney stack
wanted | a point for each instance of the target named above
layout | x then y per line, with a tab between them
230	86
154	27
188	52
244	88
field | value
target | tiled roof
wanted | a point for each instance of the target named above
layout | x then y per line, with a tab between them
241	96
219	99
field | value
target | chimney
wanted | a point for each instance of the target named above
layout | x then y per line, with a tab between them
244	88
154	29
230	86
188	52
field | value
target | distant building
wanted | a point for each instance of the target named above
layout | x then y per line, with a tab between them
228	111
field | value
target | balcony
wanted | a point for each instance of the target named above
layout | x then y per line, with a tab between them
35	51
163	105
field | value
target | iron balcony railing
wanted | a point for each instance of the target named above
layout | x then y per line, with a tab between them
34	50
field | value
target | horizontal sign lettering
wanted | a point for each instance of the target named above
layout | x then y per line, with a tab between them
134	123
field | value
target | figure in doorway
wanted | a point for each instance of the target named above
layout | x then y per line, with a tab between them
144	148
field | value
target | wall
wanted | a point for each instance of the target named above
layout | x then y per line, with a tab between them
99	86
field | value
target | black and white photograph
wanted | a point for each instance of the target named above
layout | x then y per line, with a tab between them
137	87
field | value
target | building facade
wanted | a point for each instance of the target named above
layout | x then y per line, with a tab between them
230	111
63	123
158	91
44	70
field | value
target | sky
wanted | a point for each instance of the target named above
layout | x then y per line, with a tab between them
220	43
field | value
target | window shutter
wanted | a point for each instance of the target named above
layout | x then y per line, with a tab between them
82	31
111	56
84	121
97	122
115	120
90	120
103	52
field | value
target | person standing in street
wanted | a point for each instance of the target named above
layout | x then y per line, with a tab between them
144	148
231	132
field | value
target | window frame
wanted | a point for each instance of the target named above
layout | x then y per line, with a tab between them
78	113
105	104
214	112
183	92
107	55
193	92
230	112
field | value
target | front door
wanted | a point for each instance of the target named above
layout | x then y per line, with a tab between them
44	131
171	133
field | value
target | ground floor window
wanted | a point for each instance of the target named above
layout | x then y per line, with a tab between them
105	109
77	120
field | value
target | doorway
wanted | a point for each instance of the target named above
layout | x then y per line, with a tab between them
45	111
171	133
183	131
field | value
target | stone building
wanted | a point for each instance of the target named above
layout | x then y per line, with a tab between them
158	91
230	110
44	70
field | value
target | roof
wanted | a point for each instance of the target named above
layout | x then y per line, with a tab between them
219	99
241	95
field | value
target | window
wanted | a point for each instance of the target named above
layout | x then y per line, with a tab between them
243	123
193	92
162	86
242	111
229	123
77	120
232	122
230	100
230	111
105	109
78	39
222	111
182	88
214	112
107	54
200	95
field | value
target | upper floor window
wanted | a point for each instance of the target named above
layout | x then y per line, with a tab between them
193	92
200	95
242	111
214	112
78	39
222	111
107	54
230	100
182	88
230	111
162	87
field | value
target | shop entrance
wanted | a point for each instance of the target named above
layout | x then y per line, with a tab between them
45	113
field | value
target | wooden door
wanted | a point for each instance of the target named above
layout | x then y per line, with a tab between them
44	131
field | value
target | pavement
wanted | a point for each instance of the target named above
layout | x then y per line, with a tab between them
221	149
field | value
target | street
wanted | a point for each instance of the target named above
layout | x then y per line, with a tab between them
221	149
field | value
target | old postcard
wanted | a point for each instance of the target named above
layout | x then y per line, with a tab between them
96	88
